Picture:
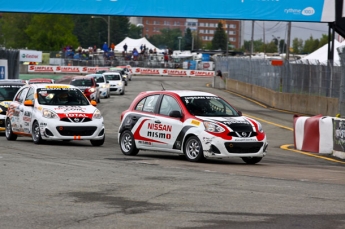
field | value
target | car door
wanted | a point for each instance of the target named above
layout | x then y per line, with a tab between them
18	111
169	127
26	121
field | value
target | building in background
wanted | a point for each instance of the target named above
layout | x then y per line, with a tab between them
205	28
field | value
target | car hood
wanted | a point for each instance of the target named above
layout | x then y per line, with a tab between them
73	111
240	123
114	81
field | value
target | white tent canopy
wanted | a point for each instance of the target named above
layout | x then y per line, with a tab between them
135	43
321	55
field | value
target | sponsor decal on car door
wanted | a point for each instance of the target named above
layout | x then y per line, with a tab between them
162	130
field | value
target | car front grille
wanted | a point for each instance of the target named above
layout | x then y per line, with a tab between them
243	134
113	89
243	147
76	130
77	120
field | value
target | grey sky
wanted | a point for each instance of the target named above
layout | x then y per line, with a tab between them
300	30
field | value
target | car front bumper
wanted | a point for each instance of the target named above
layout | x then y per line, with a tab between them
216	147
117	89
60	130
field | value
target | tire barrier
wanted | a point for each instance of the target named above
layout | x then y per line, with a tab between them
314	134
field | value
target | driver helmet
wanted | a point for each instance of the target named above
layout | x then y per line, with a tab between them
63	97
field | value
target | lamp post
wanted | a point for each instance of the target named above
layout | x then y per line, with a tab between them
108	23
179	43
278	40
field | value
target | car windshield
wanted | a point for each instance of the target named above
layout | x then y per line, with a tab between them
99	79
81	82
61	96
208	106
7	92
113	77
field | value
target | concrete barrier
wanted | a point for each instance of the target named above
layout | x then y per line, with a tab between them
299	103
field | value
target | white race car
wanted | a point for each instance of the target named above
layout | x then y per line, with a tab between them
116	82
104	86
197	124
54	112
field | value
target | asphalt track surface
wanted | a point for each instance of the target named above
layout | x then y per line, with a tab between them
76	185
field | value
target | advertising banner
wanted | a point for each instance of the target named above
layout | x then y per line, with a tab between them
30	56
277	10
136	71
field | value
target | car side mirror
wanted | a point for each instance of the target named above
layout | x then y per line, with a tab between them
123	79
97	85
28	103
239	113
175	114
107	81
93	103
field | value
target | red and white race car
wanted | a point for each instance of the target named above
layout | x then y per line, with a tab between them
197	124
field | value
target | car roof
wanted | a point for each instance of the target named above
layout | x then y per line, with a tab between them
52	85
182	93
95	74
8	82
81	78
111	73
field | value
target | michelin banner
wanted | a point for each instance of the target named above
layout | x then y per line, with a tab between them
275	10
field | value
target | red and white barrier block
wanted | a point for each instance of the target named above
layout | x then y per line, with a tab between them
313	134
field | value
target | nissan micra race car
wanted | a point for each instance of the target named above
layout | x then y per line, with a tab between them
8	90
54	112
197	124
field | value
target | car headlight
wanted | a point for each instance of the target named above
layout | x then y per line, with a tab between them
92	89
103	86
97	114
120	84
213	127
49	114
260	127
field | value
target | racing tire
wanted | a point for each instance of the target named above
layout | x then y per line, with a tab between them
8	132
193	149
127	144
122	93
36	133
98	99
251	160
98	142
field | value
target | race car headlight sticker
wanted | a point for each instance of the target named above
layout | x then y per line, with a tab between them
49	114
103	86
260	127
213	127
97	114
120	83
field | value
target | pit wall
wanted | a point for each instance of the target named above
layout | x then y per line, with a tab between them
299	103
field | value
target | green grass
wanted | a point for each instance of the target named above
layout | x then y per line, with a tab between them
32	76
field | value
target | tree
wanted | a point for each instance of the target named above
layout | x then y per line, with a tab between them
271	47
220	38
91	31
134	31
258	46
297	45
188	40
167	39
51	32
13	27
323	40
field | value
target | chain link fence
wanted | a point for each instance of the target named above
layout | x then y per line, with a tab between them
295	77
